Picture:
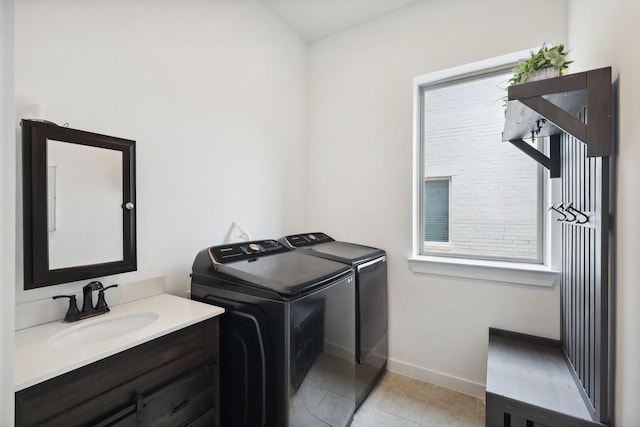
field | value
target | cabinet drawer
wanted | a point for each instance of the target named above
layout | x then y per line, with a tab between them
208	419
180	403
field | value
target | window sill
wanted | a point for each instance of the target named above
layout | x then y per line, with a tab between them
494	271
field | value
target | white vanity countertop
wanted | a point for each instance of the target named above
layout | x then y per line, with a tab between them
37	361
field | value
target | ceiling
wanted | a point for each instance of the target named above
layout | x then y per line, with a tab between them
316	19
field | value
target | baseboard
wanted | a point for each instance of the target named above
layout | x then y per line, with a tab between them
437	378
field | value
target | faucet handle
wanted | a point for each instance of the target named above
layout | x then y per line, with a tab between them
102	304
72	312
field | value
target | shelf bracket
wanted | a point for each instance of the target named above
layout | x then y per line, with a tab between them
552	163
557	116
559	100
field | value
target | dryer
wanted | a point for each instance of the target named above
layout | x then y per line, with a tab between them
370	265
287	337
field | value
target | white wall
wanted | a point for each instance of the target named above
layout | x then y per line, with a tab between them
7	213
613	45
212	91
360	173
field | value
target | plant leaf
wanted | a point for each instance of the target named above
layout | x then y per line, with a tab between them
557	61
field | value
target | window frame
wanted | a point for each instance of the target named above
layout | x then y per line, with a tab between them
542	272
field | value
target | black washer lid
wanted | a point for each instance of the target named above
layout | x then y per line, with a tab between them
348	253
286	273
321	245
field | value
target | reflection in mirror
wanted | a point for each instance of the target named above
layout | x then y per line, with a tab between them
84	206
79	213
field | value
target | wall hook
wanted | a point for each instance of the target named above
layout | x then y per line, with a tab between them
571	209
568	212
558	209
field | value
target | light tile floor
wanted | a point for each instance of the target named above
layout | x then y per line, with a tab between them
400	401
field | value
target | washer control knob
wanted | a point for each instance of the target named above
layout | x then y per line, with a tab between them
312	237
254	247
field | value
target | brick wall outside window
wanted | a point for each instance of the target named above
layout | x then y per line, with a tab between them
494	186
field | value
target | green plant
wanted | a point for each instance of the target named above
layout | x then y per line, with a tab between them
545	57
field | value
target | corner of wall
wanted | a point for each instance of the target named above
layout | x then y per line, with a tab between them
7	215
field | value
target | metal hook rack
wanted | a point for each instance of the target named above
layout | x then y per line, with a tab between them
570	214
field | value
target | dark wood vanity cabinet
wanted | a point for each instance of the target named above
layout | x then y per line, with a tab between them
170	381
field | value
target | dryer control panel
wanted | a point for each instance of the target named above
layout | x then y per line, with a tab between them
245	251
307	239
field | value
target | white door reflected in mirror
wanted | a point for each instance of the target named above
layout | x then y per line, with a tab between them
85	201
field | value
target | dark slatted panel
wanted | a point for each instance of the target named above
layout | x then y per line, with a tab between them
584	292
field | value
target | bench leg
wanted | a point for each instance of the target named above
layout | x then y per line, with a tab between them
495	410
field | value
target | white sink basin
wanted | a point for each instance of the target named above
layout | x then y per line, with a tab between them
102	329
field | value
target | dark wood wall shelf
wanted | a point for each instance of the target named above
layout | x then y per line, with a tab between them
549	107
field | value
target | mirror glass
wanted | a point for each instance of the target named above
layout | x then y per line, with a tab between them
78	204
84	204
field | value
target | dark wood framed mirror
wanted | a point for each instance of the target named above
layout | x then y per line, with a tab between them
79	215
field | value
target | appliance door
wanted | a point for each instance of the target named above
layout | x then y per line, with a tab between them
247	374
322	359
372	343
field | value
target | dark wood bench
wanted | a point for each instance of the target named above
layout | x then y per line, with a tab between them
530	384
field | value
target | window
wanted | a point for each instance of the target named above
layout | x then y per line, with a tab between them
479	197
436	210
